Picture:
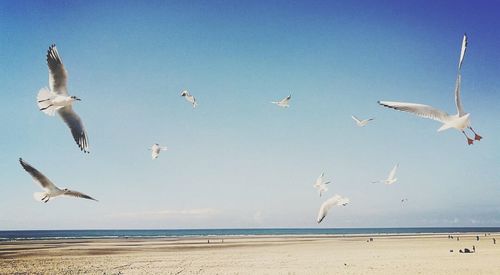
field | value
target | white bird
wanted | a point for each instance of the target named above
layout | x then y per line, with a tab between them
391	178
460	121
284	103
51	191
156	149
462	51
361	123
56	99
191	99
320	184
336	200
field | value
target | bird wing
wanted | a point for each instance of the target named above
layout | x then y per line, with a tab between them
356	119
421	110
286	99
392	174
458	101
336	200
37	176
78	195
57	73
462	51
76	126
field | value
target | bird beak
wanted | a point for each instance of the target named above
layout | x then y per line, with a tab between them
78	99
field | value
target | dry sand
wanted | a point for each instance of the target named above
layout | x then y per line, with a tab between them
422	254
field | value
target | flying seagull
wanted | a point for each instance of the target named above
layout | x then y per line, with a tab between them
156	149
56	99
391	178
51	191
336	200
460	121
320	184
284	103
361	123
191	99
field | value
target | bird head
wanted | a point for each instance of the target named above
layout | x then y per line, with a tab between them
184	93
75	98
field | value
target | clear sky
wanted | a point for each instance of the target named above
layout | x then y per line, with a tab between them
237	160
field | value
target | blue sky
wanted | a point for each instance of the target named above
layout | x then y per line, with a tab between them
237	160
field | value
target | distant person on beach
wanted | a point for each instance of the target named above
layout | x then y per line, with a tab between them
494	241
477	238
458	239
474	248
466	250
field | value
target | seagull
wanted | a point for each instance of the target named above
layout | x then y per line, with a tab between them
156	149
460	121
56	99
189	98
336	200
284	103
51	191
391	178
361	123
320	184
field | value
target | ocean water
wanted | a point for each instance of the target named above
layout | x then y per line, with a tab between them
180	233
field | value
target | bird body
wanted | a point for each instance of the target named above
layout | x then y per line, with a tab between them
156	149
391	178
50	189
189	98
361	123
49	102
320	184
284	103
56	99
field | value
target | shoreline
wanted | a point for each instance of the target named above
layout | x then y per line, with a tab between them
229	236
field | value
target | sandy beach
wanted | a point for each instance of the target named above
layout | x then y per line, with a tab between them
424	254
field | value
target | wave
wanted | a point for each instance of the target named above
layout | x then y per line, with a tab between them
213	233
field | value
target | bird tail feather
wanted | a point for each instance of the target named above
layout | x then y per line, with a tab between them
38	196
43	100
444	127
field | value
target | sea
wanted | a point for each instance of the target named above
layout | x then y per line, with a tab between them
191	233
